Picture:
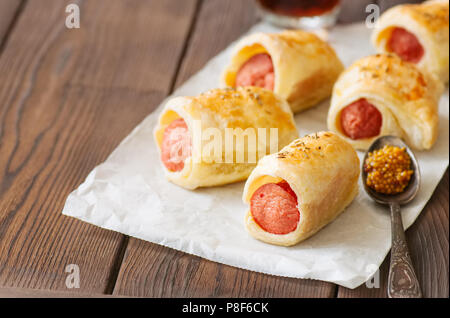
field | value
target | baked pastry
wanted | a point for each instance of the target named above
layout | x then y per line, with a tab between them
418	33
296	65
195	134
383	95
294	193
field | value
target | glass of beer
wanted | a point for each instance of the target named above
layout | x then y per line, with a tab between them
300	14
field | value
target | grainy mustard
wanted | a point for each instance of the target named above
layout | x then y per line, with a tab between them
388	170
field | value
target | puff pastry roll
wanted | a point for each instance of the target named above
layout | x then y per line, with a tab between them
383	95
296	65
418	33
217	137
294	193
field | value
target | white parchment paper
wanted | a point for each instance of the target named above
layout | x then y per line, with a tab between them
128	193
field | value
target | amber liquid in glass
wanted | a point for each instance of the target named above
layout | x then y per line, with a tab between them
299	8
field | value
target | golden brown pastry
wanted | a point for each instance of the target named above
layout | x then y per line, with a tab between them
195	134
418	33
383	95
296	65
294	193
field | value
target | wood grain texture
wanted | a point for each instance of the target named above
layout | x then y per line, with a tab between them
428	244
386	4
353	11
219	23
67	98
154	271
8	11
151	270
39	293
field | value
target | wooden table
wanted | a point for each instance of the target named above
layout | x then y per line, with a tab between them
69	96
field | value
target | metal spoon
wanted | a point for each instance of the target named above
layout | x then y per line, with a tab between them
402	280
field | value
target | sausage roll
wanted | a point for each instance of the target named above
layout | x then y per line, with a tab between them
418	33
383	95
296	65
217	137
294	193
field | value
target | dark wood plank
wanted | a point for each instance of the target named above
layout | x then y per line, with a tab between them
428	243
8	11
386	4
353	11
39	293
151	270
67	98
219	23
154	271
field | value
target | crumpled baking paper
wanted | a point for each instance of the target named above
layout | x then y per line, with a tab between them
128	193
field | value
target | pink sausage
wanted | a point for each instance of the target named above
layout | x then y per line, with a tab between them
406	45
257	71
361	120
176	145
274	208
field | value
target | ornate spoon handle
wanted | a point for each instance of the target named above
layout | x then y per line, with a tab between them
402	281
